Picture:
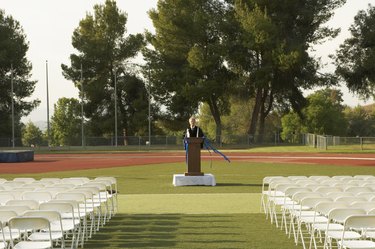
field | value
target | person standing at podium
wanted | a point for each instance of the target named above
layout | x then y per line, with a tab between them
194	130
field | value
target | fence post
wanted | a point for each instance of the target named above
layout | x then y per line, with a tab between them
361	142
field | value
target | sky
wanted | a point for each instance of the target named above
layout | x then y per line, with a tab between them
49	25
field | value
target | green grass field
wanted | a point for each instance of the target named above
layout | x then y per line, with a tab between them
155	214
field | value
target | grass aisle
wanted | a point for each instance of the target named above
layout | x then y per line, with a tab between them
190	221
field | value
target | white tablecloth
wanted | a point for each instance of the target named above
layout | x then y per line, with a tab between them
182	180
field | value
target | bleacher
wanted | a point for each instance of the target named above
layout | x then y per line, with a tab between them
322	211
54	212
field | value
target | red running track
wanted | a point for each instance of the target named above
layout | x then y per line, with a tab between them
66	162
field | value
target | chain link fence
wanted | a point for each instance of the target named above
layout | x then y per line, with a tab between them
326	142
167	142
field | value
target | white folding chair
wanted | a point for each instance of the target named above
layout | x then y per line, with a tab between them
358	222
5	216
318	228
56	231
101	197
339	215
308	218
85	212
30	224
276	197
71	225
114	191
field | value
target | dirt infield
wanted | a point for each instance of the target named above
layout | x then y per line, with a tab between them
66	162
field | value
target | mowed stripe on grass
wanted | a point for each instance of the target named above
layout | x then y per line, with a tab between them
222	203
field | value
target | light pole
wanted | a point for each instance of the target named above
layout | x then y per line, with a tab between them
48	128
115	107
12	90
82	116
149	108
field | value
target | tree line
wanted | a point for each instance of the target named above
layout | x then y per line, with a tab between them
240	65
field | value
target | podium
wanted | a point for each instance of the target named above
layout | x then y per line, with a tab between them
194	156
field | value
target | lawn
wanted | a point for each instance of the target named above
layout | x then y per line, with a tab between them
155	214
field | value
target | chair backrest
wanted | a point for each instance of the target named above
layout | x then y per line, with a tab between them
297	177
6	215
364	177
51	215
325	207
301	195
9	185
356	190
319	178
368	195
290	192
327	190
59	206
32	204
29	223
51	179
37	196
74	181
350	199
360	222
336	195
343	177
79	197
312	202
24	179
5	197
20	210
366	205
340	214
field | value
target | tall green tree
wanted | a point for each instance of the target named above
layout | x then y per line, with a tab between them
13	49
103	51
324	113
355	59
188	59
66	122
273	42
31	135
361	122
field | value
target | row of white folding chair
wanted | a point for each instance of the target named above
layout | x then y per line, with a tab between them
60	225
337	213
98	190
22	206
89	200
277	189
307	215
308	209
293	197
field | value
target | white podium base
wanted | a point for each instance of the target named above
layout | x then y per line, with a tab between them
182	180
